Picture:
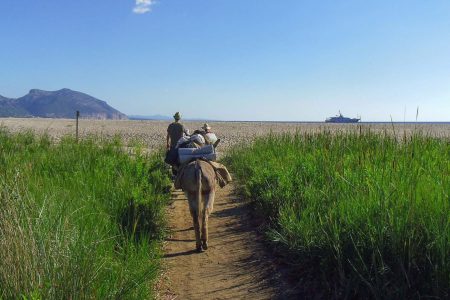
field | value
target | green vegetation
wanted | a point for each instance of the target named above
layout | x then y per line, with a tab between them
358	214
78	220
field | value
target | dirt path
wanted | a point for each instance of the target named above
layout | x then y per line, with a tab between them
235	266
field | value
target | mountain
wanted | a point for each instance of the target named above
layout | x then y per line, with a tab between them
8	108
57	104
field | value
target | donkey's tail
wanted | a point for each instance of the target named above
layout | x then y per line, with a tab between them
199	185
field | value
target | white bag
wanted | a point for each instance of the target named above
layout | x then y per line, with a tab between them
182	140
198	139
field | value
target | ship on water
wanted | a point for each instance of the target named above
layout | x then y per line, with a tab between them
341	119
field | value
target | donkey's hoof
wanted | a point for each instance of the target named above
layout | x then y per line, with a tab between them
205	245
199	249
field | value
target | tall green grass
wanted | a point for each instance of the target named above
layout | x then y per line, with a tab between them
78	220
358	214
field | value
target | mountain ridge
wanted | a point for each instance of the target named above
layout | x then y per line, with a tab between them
58	104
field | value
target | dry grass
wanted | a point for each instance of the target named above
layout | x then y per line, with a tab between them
153	133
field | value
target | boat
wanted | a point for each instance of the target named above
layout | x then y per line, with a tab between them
341	119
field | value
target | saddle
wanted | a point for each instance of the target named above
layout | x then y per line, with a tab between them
223	177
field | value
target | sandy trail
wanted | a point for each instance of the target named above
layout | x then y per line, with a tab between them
235	266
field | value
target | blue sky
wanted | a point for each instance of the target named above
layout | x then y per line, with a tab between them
235	59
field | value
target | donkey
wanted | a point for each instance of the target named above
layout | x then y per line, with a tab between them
198	182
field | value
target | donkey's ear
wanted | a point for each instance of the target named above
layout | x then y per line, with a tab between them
216	143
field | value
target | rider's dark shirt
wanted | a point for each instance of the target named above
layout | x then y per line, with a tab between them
175	131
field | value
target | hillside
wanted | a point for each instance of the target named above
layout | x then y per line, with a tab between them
9	108
57	104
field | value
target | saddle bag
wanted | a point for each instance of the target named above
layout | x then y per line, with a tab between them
187	154
172	157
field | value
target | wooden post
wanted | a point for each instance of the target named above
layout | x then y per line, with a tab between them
77	116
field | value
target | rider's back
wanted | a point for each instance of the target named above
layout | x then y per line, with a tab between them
175	131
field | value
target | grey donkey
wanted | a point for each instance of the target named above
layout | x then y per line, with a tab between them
198	182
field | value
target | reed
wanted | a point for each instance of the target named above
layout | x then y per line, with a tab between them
359	214
78	219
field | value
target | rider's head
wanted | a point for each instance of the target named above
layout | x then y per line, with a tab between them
206	127
177	116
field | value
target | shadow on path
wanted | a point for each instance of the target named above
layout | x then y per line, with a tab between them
237	265
189	252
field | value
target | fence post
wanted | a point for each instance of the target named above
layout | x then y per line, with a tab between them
77	116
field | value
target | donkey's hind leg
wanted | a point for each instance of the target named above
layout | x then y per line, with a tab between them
209	200
195	218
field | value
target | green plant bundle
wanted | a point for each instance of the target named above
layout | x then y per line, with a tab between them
78	219
365	214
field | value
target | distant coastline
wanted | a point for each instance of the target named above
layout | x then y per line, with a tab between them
169	119
331	124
